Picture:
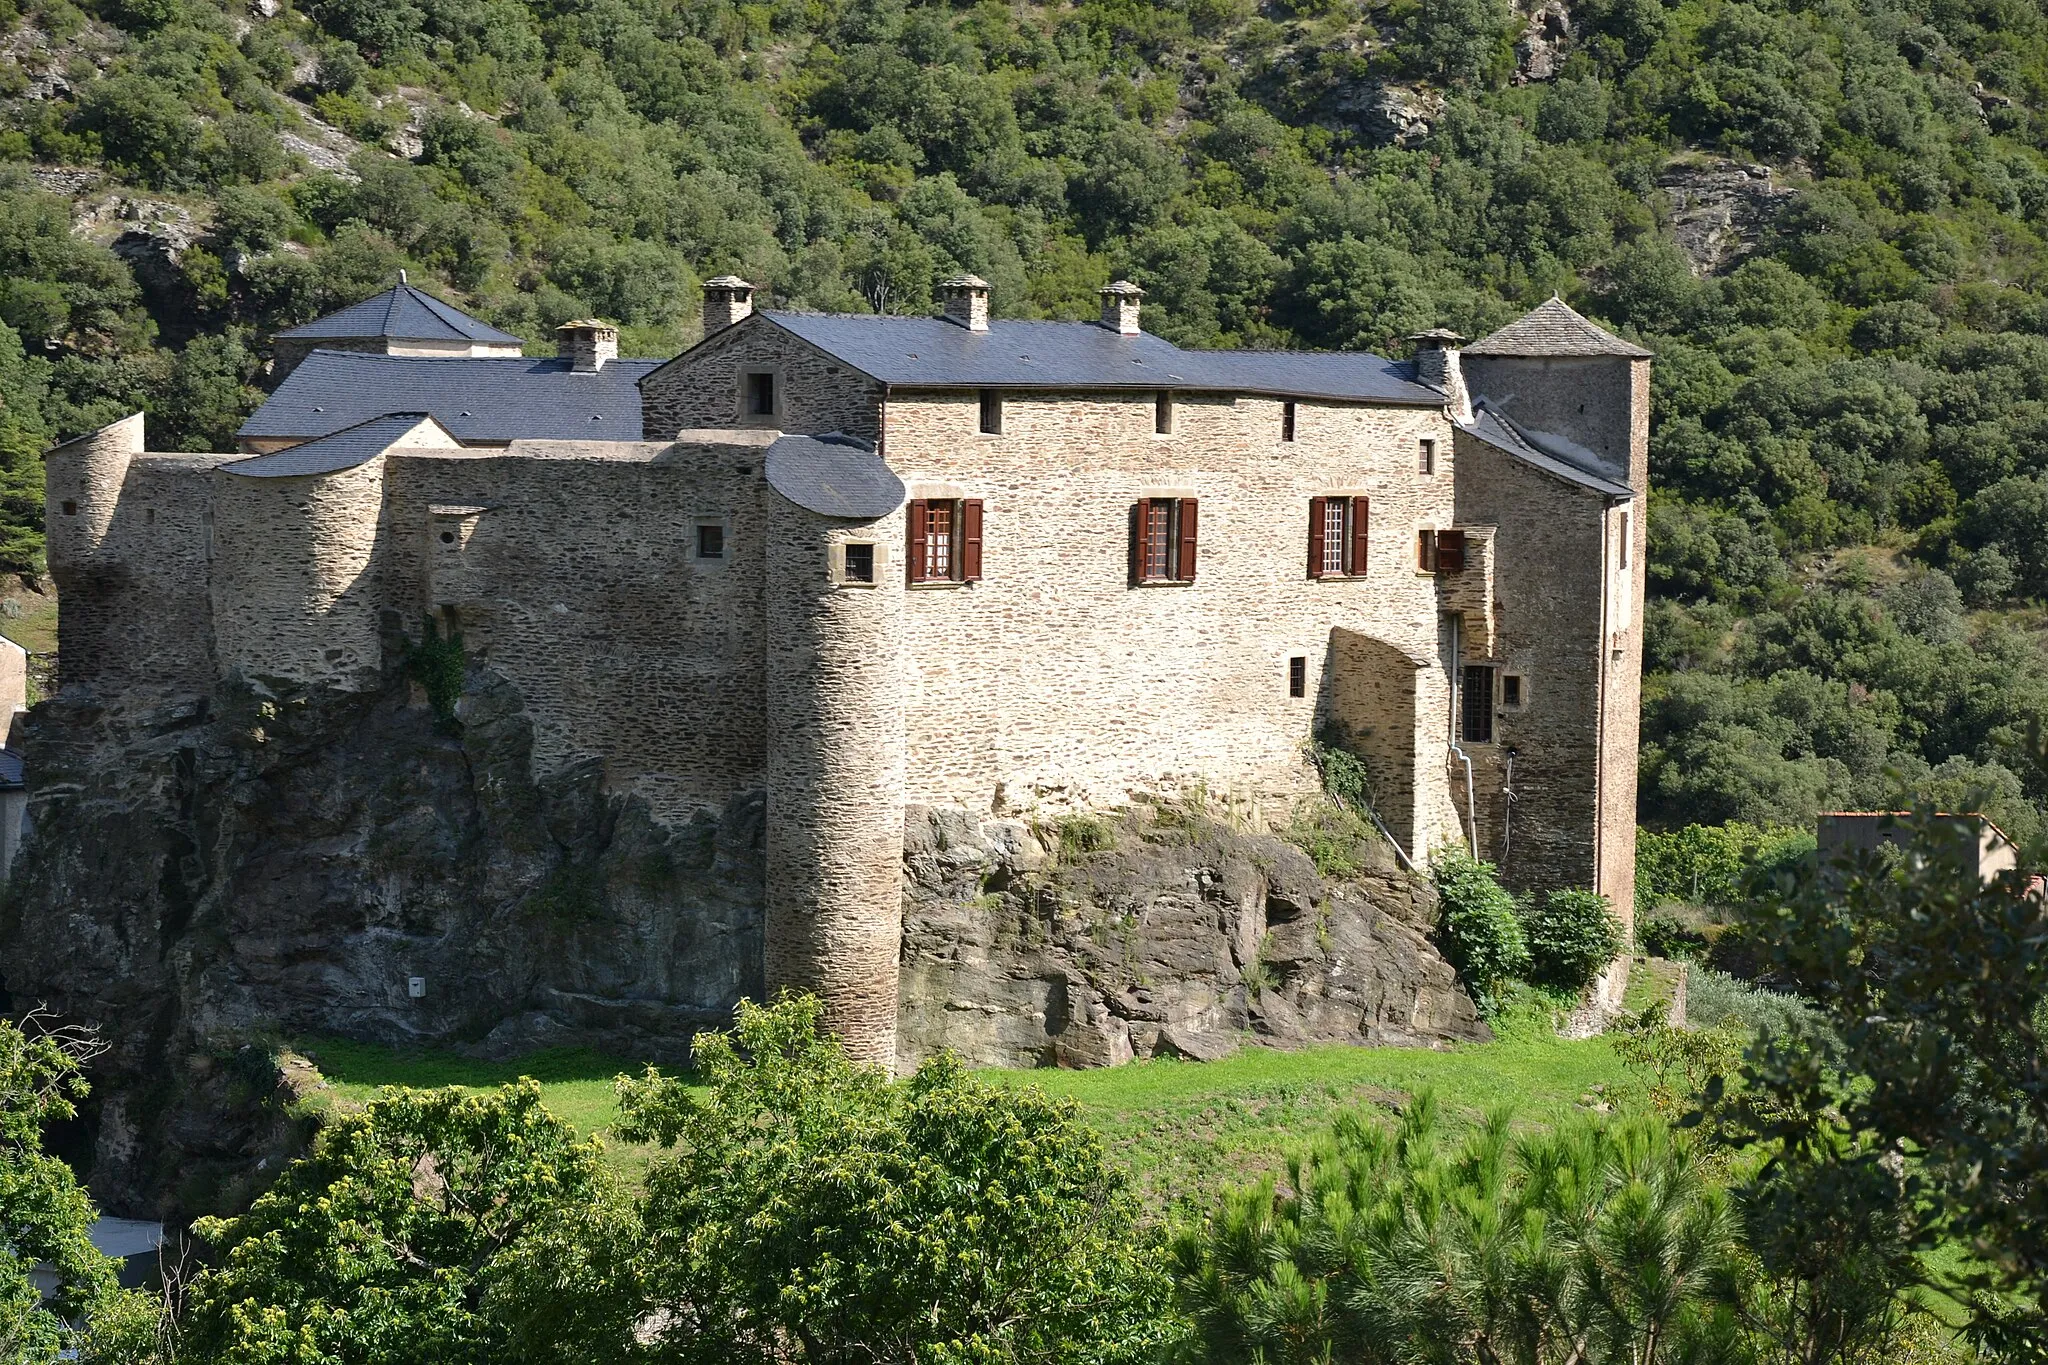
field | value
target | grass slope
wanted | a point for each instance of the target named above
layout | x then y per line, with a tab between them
1184	1129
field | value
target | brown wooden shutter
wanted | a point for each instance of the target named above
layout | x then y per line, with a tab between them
1361	516
1450	551
970	540
1138	540
916	521
1425	551
1187	541
1315	536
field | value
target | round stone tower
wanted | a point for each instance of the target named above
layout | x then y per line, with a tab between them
82	481
835	735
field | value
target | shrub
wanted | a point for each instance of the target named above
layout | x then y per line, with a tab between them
1477	927
1081	835
1571	938
1716	1000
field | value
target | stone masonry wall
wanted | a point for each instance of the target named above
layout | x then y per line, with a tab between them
295	590
701	388
578	581
1054	682
835	777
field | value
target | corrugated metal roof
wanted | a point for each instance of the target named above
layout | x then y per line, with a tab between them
345	449
1553	330
935	353
479	401
1498	431
403	313
834	476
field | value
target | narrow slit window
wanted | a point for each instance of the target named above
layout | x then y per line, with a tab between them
1425	456
1162	414
1287	420
1475	710
1297	676
991	413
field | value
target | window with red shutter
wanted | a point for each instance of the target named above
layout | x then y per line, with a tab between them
1184	566
1317	544
1361	516
1450	551
1158	550
970	540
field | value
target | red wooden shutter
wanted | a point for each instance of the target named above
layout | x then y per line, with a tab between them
1361	510
1138	540
970	540
916	521
1450	551
1315	536
1187	541
1425	551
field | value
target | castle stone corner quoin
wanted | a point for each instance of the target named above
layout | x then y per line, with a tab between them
761	648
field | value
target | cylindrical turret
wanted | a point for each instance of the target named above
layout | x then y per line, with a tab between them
81	487
835	738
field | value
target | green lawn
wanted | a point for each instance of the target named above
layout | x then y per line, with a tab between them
1184	1129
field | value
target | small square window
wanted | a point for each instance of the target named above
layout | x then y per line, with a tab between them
761	394
1297	676
1511	689
991	413
711	540
70	508
1425	457
1287	420
860	562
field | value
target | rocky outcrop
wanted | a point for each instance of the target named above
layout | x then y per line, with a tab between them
1387	114
1546	34
1185	937
1720	209
286	862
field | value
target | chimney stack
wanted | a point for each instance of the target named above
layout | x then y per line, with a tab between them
1120	302
587	344
1437	365
966	301
727	299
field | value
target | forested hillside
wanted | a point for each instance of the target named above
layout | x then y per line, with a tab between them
1826	217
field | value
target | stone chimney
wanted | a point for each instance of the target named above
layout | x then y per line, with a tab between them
587	344
727	299
1437	365
966	301
1120	307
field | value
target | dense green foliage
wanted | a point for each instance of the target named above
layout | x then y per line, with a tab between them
45	1215
1478	928
1920	1114
1572	936
434	1226
812	1211
1869	368
1712	864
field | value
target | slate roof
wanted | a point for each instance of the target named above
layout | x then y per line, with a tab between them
834	476
1499	432
345	449
480	401
12	774
931	352
402	313
1553	330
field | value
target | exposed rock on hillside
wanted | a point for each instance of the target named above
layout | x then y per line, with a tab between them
1721	209
1396	115
1184	937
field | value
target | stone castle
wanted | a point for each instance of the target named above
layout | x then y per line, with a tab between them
1008	569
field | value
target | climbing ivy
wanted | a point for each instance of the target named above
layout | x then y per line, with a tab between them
438	663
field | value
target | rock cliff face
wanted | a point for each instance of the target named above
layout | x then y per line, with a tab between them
276	862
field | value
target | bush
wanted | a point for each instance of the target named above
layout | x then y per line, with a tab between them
1571	938
1716	1000
1477	928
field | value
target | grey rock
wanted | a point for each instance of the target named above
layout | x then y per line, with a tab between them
1195	1047
1546	35
1389	115
1721	209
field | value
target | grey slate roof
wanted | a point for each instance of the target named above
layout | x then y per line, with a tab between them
1553	329
402	313
834	476
479	401
934	353
1498	431
12	774
345	449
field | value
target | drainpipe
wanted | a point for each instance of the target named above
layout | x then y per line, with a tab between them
1507	814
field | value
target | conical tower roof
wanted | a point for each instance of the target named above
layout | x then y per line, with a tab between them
1554	329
